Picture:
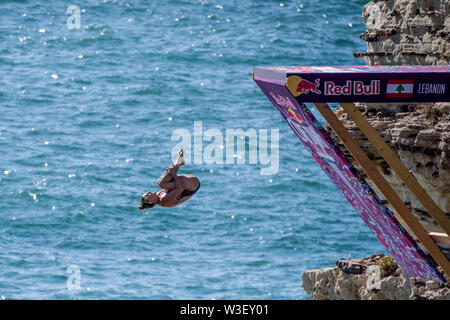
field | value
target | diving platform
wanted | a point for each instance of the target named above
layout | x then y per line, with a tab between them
292	89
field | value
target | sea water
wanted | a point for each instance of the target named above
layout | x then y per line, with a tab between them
90	95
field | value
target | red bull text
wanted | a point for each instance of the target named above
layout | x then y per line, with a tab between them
352	87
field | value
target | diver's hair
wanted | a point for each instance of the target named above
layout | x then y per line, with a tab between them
145	204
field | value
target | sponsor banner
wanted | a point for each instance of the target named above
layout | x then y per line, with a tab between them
346	178
362	83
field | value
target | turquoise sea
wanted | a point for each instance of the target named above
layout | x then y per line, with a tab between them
86	122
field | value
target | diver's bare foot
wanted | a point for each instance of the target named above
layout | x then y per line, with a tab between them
180	159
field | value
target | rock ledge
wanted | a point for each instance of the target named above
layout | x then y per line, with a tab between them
363	279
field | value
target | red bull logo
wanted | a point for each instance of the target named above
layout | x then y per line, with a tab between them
295	116
299	86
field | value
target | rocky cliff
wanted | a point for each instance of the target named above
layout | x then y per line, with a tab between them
370	279
400	32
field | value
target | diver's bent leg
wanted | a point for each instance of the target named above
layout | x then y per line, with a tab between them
166	181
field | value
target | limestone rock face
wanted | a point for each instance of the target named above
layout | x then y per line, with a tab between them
407	32
335	284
